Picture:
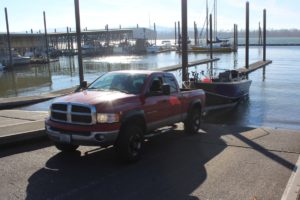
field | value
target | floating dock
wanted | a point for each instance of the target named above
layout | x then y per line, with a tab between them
254	66
190	64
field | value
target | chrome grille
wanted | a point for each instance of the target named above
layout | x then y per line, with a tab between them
73	113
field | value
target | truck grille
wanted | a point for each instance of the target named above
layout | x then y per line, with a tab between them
73	113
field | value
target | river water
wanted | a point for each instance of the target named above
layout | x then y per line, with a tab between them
273	102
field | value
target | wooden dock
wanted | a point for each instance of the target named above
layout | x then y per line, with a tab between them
190	64
254	66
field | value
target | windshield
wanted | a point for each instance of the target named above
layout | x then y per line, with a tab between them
123	82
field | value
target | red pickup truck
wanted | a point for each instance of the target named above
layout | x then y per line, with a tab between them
121	108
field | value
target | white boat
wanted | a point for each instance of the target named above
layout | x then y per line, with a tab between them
17	59
153	49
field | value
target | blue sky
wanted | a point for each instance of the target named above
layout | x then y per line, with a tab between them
95	14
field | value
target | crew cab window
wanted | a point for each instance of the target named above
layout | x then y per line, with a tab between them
123	82
156	86
172	82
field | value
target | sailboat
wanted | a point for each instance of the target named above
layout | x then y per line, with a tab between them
218	45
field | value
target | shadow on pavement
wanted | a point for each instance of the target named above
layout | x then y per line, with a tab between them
24	146
172	167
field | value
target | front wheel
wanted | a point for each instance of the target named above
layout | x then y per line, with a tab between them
193	122
66	147
129	143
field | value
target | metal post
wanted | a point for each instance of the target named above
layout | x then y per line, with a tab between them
78	35
8	38
247	36
184	40
175	33
264	35
46	37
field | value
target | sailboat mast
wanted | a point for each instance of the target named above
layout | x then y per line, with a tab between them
215	19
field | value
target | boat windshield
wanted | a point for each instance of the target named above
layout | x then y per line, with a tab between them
123	82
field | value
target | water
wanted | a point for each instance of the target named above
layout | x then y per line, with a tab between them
273	102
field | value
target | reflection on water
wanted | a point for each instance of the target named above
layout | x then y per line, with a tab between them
272	102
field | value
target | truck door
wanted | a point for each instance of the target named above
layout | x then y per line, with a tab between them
175	97
157	106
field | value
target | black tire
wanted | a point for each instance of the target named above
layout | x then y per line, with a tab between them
193	122
66	147
129	144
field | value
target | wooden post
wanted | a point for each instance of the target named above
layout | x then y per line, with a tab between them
78	35
46	36
175	34
8	39
184	40
247	36
264	35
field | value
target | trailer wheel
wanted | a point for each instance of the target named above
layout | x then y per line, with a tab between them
129	143
66	147
193	122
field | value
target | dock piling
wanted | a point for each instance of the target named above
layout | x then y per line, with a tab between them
264	34
247	36
179	36
264	41
78	35
210	45
46	37
184	40
8	38
175	33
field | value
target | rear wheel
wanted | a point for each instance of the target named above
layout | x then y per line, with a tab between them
66	147
129	143
193	122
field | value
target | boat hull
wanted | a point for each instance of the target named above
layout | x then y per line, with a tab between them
218	93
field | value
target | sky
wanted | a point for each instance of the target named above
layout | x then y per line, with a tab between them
95	14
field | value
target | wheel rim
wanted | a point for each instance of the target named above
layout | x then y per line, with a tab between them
135	144
196	122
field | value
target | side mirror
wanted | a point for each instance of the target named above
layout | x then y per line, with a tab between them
166	89
83	85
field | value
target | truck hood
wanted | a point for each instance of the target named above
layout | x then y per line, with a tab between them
94	97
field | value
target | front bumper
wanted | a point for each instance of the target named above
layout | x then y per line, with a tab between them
93	138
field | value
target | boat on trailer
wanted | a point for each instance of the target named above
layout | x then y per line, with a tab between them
229	87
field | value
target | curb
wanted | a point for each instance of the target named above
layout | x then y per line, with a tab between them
22	137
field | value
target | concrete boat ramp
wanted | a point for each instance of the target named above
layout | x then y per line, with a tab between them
236	162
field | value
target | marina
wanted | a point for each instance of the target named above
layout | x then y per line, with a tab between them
249	124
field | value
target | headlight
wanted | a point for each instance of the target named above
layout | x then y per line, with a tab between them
108	117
